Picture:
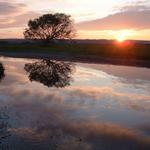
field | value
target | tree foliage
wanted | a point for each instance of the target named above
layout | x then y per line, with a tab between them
50	27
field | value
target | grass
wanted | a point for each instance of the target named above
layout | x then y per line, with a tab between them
112	50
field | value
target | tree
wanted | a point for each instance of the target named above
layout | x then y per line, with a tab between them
50	27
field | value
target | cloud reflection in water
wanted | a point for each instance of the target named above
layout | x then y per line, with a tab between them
86	115
42	122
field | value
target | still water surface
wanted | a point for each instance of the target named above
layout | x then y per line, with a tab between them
73	106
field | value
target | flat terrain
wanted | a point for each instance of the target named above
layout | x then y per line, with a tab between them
115	53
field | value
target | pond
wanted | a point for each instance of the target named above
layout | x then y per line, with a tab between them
53	105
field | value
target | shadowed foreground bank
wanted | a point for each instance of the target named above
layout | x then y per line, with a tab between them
127	53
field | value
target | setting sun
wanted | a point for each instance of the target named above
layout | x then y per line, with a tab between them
120	38
122	35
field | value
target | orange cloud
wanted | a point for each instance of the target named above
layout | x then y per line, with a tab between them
7	8
14	15
122	20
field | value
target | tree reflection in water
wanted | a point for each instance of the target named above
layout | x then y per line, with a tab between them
50	73
2	69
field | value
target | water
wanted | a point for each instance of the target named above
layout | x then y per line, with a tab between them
50	105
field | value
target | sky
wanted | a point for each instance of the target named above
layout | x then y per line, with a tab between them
94	19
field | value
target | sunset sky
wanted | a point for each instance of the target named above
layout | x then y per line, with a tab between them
94	19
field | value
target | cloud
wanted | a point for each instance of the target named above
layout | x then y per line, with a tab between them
7	8
133	6
18	21
128	16
14	15
137	20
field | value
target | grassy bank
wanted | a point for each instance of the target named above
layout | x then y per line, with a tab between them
113	50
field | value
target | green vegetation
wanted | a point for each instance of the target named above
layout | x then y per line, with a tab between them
114	50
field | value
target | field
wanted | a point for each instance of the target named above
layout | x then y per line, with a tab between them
122	51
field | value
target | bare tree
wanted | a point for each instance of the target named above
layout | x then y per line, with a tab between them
50	27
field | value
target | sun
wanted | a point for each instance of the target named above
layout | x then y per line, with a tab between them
120	38
122	35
